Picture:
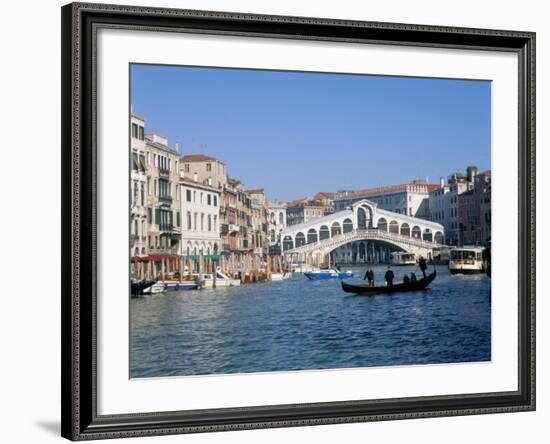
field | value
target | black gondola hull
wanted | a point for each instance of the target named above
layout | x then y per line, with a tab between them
365	290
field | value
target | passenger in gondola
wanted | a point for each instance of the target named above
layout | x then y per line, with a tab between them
369	275
413	277
389	277
422	264
406	279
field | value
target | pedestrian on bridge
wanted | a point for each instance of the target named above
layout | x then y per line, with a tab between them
389	277
369	275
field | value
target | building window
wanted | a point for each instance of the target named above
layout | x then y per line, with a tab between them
134	131
188	195
195	221
141	133
209	222
209	199
189	220
178	221
215	200
186	167
202	221
208	167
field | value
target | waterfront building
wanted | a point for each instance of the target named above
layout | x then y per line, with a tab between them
200	210
236	218
485	209
470	211
138	180
411	199
444	203
163	204
258	221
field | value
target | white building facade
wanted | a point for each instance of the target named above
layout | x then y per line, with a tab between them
138	178
200	210
276	221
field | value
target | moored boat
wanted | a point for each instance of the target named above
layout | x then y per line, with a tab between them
366	290
466	260
402	258
138	287
329	273
279	276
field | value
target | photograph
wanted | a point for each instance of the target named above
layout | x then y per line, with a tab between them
290	221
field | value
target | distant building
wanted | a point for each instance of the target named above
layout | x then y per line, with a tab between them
471	219
200	209
258	217
411	199
163	205
138	180
276	221
444	203
204	169
309	208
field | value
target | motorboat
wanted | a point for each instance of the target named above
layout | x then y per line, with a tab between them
329	273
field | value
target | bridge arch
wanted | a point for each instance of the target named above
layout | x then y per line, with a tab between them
394	227
347	225
365	217
312	236
288	243
405	230
438	237
427	235
382	224
335	229
324	232
300	239
416	232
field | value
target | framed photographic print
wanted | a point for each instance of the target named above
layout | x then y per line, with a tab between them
279	221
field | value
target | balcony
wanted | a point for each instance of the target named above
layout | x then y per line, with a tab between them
166	199
233	228
164	172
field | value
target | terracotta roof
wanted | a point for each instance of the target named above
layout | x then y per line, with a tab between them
198	158
389	189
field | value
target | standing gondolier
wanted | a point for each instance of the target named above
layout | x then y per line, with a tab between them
369	275
389	277
422	264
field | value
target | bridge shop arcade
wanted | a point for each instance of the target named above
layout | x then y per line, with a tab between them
362	233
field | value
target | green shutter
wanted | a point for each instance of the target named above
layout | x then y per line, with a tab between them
157	216
178	219
149	215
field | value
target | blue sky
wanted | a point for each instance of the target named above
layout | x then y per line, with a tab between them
295	134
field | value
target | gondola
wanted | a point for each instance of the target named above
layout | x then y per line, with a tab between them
365	290
137	287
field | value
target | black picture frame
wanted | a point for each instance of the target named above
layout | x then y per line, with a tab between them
80	420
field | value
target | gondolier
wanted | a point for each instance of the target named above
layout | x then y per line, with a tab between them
369	275
422	264
389	277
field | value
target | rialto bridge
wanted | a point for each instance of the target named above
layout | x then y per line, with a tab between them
364	226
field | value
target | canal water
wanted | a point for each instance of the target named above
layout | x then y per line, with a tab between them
298	324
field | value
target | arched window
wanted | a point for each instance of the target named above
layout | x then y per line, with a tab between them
335	229
311	236
281	218
416	232
324	232
348	225
272	235
394	227
438	237
382	224
300	239
405	230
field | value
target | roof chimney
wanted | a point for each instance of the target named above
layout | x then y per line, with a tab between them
195	177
